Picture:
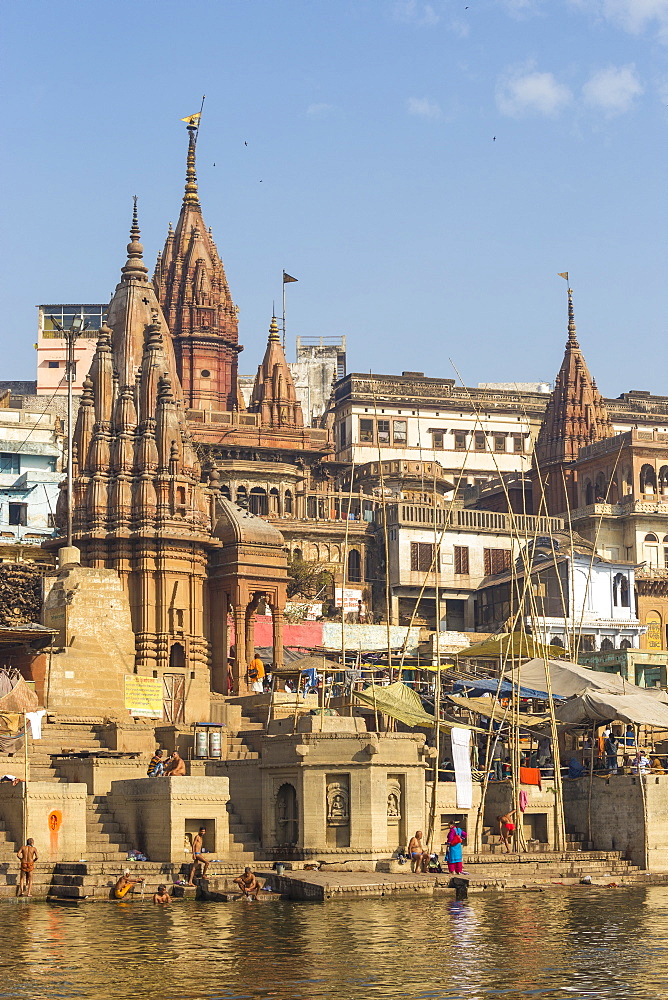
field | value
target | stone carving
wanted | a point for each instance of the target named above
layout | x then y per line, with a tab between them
393	800
338	804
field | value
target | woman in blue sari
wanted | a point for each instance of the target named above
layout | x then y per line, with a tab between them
455	852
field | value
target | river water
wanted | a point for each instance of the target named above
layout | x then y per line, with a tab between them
565	943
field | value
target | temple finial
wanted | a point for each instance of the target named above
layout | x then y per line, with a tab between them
572	336
135	267
273	330
191	196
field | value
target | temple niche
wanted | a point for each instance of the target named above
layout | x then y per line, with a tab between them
350	790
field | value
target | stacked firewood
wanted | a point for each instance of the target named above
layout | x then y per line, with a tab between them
20	594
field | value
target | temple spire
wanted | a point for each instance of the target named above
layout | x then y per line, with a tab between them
135	267
572	336
191	197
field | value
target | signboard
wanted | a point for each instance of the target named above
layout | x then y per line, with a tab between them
143	696
653	638
348	598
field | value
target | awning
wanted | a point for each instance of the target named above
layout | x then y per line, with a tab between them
600	706
402	703
568	679
491	709
509	644
482	685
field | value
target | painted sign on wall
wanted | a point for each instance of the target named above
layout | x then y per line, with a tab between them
143	696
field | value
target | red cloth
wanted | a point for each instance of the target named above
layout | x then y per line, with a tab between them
530	776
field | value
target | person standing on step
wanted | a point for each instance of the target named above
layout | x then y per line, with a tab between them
198	855
27	856
256	675
454	855
506	829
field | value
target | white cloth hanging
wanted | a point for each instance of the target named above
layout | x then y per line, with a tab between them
461	759
35	720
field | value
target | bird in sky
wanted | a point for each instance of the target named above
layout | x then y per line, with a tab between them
494	138
245	143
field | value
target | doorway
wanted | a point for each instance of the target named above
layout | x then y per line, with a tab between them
173	697
287	817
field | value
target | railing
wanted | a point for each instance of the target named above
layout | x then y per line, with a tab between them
630	506
466	519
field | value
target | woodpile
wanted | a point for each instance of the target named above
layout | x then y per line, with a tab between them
20	594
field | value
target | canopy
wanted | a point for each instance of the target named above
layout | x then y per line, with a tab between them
491	709
318	663
601	706
509	644
570	679
491	685
401	703
21	698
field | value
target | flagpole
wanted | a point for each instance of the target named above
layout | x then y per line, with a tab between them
284	310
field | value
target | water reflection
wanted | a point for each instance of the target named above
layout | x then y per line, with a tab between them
595	943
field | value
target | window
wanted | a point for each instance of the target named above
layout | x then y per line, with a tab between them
460	440
342	433
10	462
620	590
366	430
499	442
422	554
518	443
53	364
206	373
354	567
383	432
496	561
462	559
480	442
399	432
18	513
437	438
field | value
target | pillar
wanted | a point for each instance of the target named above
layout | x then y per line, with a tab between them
277	635
240	665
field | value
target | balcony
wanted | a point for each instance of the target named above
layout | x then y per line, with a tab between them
465	519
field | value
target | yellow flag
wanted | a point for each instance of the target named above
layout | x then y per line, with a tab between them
192	119
562	274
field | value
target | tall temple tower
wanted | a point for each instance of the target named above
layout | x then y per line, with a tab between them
139	507
575	416
191	286
274	397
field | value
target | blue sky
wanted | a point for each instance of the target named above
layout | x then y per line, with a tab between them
423	169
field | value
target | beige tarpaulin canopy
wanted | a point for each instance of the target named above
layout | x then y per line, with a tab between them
601	706
402	703
509	644
490	708
570	679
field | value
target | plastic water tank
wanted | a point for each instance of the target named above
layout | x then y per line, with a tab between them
202	743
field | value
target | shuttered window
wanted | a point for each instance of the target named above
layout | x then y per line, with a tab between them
496	560
462	559
422	554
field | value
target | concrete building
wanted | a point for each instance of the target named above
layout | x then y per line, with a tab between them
52	346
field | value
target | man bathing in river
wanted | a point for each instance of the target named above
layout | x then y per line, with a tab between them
248	884
416	852
506	829
162	896
27	856
125	885
198	855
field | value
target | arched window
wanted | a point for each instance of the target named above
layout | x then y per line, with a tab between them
225	491
625	644
177	657
312	507
627	481
613	492
589	493
242	497
274	502
354	567
647	479
651	537
297	554
556	640
601	488
663	479
620	591
287	502
258	501
607	644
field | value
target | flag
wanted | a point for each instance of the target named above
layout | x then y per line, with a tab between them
564	275
192	120
288	277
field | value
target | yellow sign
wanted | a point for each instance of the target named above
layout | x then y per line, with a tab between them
653	637
143	696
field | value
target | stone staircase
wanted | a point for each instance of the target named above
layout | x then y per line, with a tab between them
492	843
104	837
248	741
8	848
243	845
59	735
